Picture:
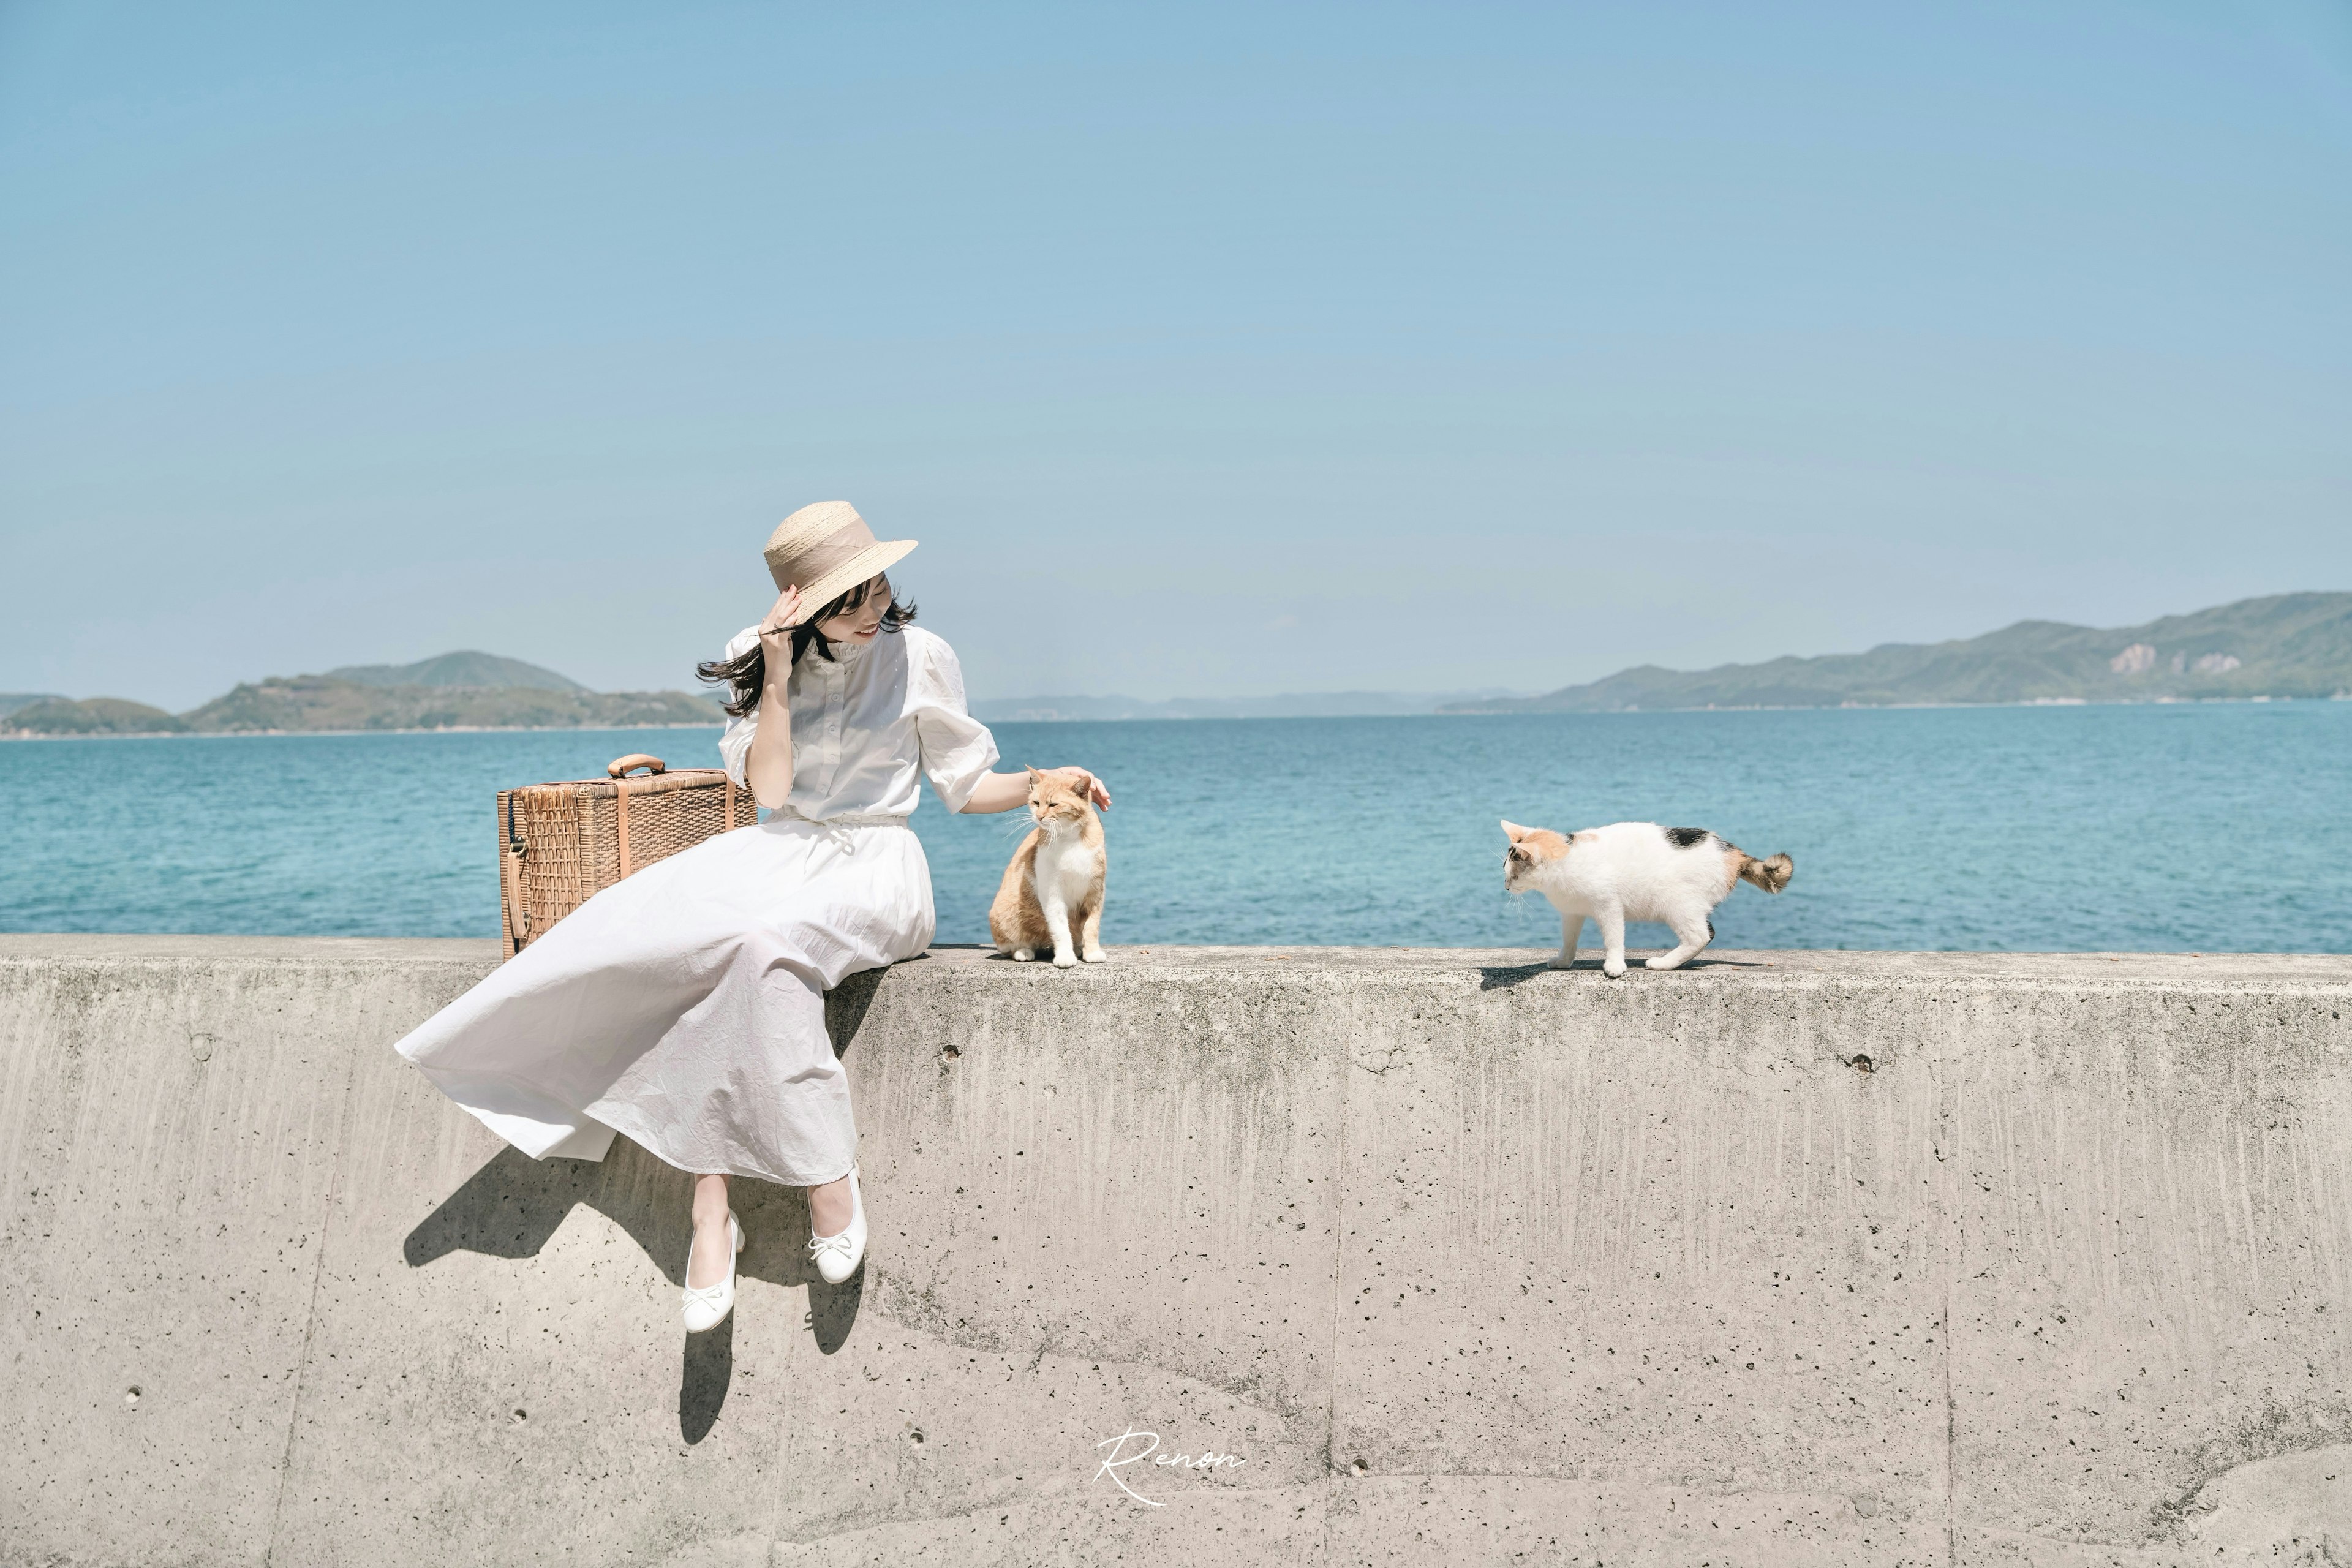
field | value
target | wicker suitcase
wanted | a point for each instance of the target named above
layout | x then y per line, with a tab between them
561	843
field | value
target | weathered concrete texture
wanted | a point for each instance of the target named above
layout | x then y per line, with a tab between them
1787	1259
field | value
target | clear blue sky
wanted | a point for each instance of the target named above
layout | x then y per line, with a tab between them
1207	350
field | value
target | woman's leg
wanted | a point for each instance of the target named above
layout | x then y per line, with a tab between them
714	1250
829	1210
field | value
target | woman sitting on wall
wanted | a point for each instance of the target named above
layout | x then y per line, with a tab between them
684	1006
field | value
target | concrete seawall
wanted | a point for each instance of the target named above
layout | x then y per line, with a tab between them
1790	1259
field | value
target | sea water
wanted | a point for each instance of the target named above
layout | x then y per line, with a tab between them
2220	827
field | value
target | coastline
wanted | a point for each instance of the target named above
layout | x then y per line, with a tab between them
2266	700
7	735
1713	708
446	729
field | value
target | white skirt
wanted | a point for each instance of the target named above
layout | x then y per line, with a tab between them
684	1006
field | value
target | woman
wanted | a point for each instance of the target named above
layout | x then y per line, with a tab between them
685	1005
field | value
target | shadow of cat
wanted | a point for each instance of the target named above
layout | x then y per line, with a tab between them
1502	977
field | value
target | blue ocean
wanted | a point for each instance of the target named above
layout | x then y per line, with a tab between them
2222	827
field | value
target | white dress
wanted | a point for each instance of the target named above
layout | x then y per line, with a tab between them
684	1006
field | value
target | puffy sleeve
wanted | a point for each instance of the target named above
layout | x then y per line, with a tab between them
958	749
735	740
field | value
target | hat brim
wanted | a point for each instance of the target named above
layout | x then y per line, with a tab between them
875	558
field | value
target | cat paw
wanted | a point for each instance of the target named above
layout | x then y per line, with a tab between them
1561	964
1024	954
1065	960
1094	955
1613	967
1660	961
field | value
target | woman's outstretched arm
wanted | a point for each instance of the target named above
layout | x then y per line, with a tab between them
1003	792
768	770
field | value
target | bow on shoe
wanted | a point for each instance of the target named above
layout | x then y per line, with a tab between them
838	1256
843	1247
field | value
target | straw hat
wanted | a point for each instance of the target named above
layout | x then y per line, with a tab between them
826	549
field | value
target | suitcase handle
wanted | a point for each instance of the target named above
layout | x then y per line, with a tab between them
620	767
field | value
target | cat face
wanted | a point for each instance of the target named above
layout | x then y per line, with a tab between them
1532	849
1054	798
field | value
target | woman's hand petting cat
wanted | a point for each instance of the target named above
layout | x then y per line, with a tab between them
1096	791
1007	792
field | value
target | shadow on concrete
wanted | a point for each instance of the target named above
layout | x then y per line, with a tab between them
833	1310
703	1383
1502	977
511	1206
846	1005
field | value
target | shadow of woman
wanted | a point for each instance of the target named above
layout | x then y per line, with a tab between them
511	1206
703	1382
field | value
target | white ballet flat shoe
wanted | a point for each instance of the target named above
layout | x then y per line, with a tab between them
838	1256
709	1306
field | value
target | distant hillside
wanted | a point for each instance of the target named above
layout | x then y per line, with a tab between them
454	691
319	703
12	700
1295	705
91	716
466	669
2290	645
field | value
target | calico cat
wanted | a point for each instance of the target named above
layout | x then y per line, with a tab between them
1055	883
1633	871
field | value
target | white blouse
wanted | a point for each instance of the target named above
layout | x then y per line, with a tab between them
865	721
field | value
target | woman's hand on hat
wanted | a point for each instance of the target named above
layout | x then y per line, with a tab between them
784	617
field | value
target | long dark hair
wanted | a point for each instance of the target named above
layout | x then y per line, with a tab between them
747	673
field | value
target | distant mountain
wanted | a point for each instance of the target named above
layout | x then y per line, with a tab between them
2289	646
321	702
454	691
91	716
466	669
12	700
1295	705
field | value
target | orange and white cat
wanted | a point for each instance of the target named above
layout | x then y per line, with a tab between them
1633	871
1054	887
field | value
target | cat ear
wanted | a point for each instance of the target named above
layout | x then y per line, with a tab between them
1034	775
1515	830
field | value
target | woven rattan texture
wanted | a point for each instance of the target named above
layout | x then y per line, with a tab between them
570	836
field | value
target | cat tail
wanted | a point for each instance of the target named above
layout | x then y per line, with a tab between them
1770	875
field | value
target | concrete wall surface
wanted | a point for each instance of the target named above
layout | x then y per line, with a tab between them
1819	1259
